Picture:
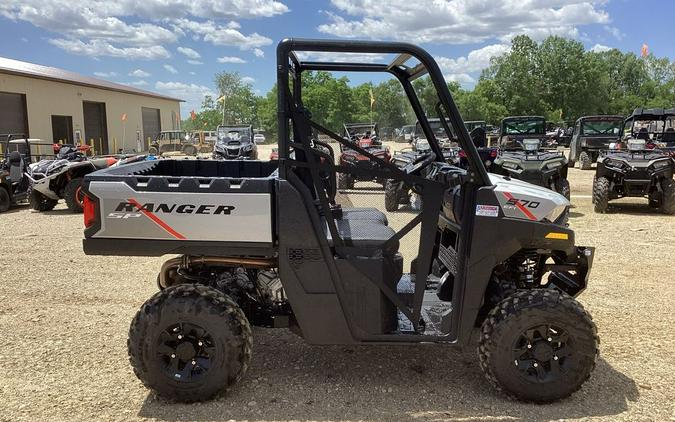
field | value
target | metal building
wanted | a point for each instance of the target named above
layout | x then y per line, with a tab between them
58	105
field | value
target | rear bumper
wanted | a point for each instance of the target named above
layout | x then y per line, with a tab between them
571	276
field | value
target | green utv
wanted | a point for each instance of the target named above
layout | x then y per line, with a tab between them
591	136
265	243
522	156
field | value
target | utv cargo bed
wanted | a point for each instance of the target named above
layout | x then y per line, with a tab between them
153	208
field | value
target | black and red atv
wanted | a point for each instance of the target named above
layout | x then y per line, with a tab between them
359	166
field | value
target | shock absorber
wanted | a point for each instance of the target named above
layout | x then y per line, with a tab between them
526	263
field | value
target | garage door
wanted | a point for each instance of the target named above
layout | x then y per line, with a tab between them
151	125
13	116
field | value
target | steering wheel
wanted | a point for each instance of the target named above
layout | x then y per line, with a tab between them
422	162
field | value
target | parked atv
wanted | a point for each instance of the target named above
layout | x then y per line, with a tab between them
522	157
61	178
641	164
366	137
269	247
174	141
487	154
13	166
593	134
235	143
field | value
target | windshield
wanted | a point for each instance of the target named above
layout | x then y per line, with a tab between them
601	127
408	129
523	126
436	127
225	135
360	131
472	125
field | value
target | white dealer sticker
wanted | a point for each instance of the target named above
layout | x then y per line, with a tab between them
487	210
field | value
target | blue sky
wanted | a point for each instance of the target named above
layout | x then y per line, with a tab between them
176	46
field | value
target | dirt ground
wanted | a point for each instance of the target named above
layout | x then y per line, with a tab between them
65	316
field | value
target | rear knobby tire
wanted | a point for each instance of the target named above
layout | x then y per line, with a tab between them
221	359
564	344
5	200
390	196
667	197
39	202
584	161
73	195
601	194
345	181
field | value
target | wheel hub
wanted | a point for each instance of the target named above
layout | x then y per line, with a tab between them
540	353
186	351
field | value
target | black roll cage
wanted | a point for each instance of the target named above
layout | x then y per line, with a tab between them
307	160
651	114
289	63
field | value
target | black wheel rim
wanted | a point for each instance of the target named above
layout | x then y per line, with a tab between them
186	351
542	353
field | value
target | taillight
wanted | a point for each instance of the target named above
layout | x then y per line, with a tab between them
89	208
493	153
462	154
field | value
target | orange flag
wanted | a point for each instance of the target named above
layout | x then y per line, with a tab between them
193	115
644	52
124	117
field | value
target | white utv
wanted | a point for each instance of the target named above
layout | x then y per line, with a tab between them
271	246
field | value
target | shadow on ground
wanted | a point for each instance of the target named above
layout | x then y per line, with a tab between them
289	380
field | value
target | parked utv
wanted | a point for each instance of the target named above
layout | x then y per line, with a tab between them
270	246
61	178
366	137
522	157
593	134
641	164
13	181
235	143
173	141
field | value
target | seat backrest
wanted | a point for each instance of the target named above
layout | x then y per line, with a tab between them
643	134
15	167
669	135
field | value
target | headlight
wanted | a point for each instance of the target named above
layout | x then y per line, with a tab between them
661	164
613	163
510	165
554	165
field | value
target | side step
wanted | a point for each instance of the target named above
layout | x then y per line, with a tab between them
434	310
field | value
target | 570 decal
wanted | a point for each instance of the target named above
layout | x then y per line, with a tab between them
524	202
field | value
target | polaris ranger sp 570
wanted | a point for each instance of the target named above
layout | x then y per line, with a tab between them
593	134
271	246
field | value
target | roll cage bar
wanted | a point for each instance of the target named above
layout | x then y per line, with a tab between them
648	114
289	63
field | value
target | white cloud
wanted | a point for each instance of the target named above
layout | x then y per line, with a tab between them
231	59
120	28
195	62
599	48
248	80
461	78
460	21
326	56
228	35
170	69
139	73
258	52
615	32
105	74
98	48
139	83
189	53
193	94
475	61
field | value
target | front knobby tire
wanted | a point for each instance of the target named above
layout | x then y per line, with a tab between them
667	205
390	196
73	195
538	346
601	194
584	161
189	343
563	188
39	202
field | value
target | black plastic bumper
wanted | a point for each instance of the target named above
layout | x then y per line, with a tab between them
572	276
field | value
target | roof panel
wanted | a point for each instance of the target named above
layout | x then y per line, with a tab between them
31	70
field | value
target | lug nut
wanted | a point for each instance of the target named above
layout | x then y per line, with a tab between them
180	336
549	339
200	343
194	362
535	364
529	346
555	357
173	356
